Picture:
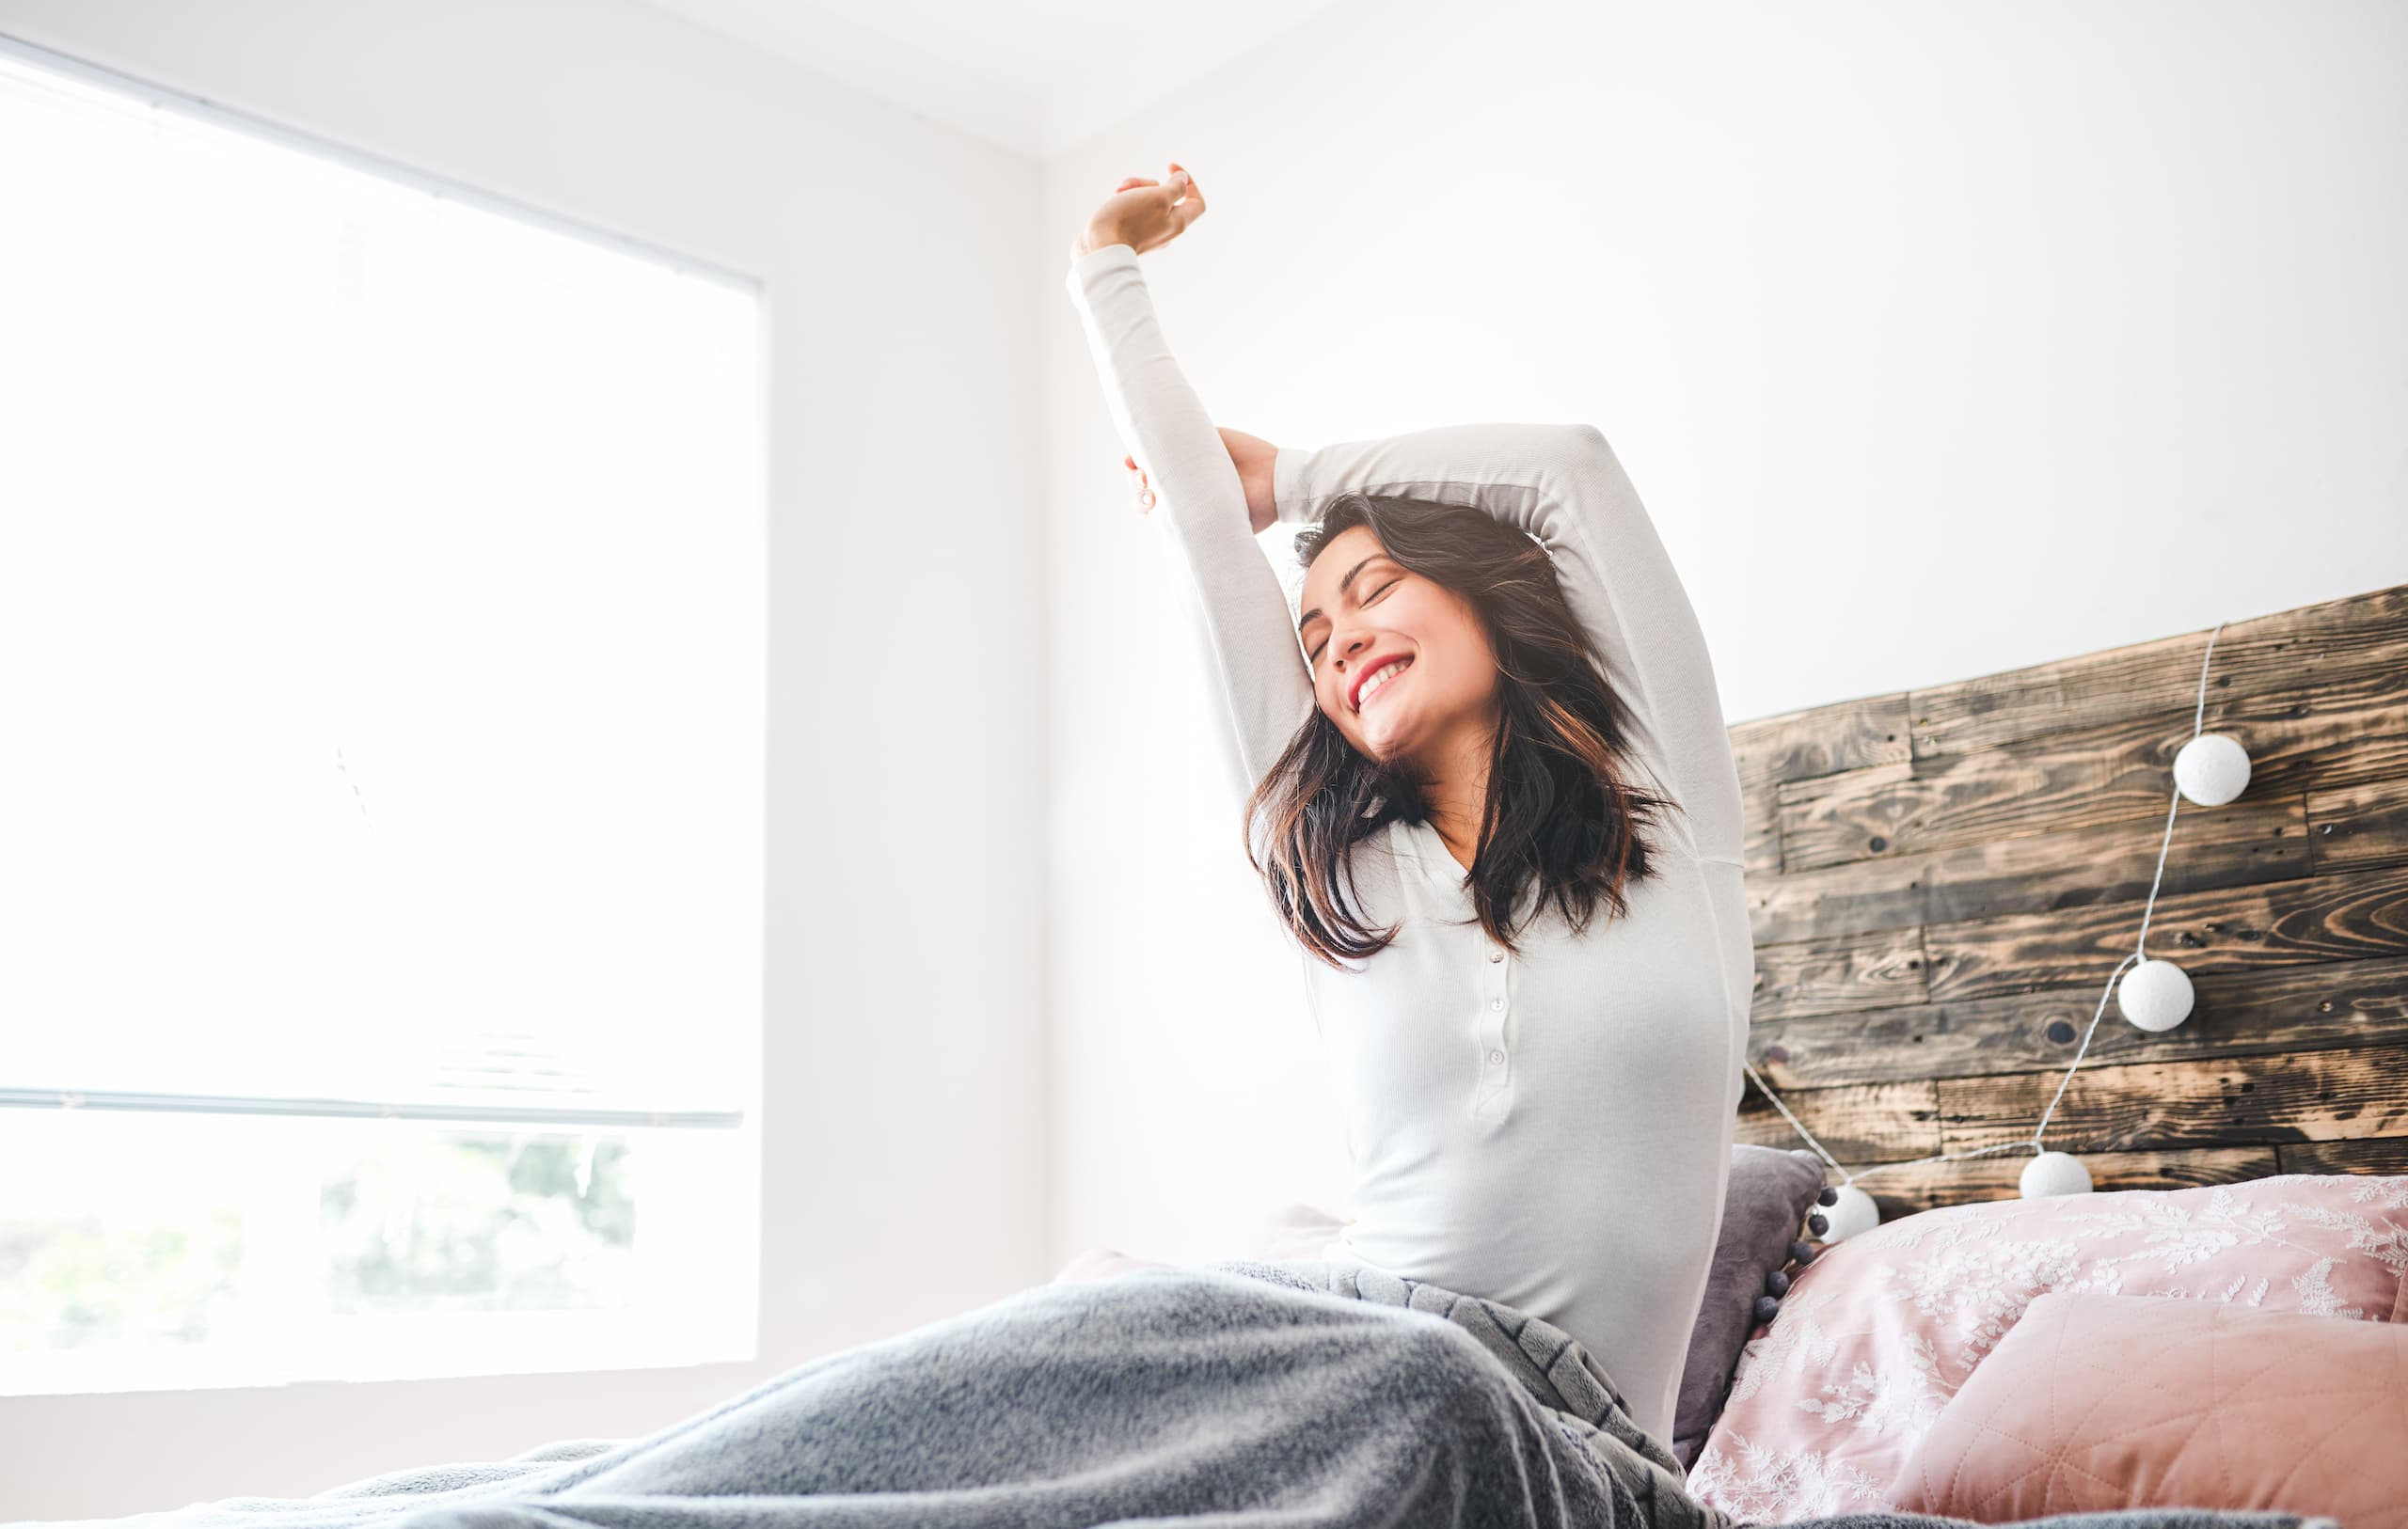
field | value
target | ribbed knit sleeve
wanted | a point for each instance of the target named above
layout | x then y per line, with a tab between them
1234	601
1563	484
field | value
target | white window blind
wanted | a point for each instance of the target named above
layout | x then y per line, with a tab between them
382	649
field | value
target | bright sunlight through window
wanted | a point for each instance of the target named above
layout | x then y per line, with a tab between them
382	618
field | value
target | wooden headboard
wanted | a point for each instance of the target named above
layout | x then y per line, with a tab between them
1940	882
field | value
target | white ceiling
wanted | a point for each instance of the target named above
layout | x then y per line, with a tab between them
1032	76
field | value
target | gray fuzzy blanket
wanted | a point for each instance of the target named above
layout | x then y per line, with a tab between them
1234	1393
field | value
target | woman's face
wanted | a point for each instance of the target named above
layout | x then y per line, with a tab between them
1361	610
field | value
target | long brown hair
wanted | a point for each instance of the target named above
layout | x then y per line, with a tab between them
1558	811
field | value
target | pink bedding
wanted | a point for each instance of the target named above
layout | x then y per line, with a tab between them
2093	1402
1292	1231
1881	1330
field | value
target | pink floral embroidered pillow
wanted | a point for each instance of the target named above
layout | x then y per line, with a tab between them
1877	1333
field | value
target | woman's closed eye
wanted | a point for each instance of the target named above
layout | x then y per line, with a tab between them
1366	600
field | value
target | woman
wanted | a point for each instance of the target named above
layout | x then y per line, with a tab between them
1489	789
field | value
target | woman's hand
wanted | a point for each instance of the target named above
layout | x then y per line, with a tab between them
1254	458
1144	214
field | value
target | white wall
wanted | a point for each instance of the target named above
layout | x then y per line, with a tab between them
906	1089
1939	339
1929	333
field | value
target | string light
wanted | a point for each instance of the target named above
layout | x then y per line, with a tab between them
2212	768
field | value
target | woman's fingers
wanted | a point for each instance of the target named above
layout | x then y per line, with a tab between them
1146	222
1137	481
1188	199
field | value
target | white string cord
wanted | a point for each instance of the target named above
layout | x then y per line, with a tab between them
2198	721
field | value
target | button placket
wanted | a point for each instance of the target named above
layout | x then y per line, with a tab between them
1495	1004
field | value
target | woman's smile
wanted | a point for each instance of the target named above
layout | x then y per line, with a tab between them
1378	684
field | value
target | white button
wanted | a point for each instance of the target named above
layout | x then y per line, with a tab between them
1496	955
1496	1003
1495	1057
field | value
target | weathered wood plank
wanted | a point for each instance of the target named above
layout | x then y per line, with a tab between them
2322	1007
1825	740
2346	915
1871	1122
2112	772
2358	636
1844	735
2226	1101
1873	970
2240	844
1902	1192
2309	919
2355	827
2383	1154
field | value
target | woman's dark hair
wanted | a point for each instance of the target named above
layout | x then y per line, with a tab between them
1558	811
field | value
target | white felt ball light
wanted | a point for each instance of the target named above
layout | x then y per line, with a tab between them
2155	995
2213	769
2055	1172
1852	1212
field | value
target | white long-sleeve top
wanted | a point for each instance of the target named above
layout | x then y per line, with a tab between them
1550	1130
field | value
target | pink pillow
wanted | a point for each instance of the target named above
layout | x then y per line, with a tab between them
2098	1402
1101	1264
1294	1230
1882	1328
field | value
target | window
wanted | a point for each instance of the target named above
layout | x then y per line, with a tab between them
383	588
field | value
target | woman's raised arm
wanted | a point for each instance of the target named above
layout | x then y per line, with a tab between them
1563	484
1252	661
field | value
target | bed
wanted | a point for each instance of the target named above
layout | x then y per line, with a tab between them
1939	881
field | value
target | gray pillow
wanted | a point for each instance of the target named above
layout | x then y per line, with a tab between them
1766	1211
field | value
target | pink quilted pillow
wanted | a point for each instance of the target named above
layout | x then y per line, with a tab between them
1883	1327
2098	1402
